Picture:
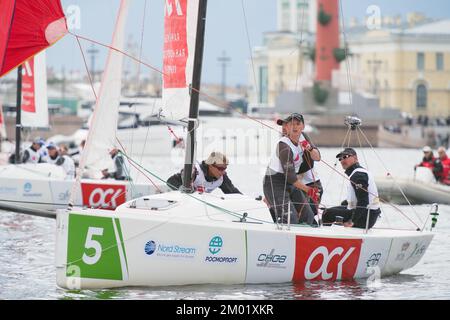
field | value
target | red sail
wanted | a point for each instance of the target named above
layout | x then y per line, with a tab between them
26	28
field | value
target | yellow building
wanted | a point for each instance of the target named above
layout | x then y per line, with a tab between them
408	69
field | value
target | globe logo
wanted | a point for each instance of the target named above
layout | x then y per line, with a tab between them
27	187
215	244
150	247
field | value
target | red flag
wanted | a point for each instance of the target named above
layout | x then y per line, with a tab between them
26	28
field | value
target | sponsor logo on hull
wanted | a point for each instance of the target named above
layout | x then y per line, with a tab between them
215	246
168	250
326	258
104	196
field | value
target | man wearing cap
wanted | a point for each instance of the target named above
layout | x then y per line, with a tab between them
429	161
59	158
362	204
207	176
121	169
306	173
281	181
31	154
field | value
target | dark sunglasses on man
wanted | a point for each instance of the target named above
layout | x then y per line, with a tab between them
345	157
219	168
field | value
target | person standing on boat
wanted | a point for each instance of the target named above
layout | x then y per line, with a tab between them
121	169
362	195
444	174
32	153
207	176
281	181
429	161
306	173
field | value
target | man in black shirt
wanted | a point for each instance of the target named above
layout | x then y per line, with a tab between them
362	195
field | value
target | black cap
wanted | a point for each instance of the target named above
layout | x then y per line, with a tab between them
297	116
346	151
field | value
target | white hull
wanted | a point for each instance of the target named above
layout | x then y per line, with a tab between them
189	242
42	186
423	188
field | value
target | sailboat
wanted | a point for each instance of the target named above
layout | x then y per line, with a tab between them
191	237
45	186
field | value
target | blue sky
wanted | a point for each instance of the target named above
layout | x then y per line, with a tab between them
225	29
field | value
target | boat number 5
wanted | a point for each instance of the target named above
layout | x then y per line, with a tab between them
94	244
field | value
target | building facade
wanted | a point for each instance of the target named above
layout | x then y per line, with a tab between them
408	69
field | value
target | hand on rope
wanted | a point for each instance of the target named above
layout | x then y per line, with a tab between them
313	193
306	145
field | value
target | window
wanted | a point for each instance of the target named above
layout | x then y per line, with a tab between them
420	61
439	61
421	96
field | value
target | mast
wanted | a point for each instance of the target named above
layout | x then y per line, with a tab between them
18	113
194	89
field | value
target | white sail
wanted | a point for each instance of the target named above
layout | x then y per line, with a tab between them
180	27
102	129
34	92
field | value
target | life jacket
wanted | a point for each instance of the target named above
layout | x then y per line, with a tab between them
275	163
69	167
428	163
374	201
200	182
311	175
34	155
49	159
445	173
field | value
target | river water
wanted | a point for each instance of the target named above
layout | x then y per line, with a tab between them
27	245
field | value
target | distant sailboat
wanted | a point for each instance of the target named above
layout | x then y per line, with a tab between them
43	185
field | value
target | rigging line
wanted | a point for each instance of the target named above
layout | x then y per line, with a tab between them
232	213
336	162
349	79
85	65
126	155
257	89
395	180
120	51
148	131
385	201
362	150
300	45
139	72
216	101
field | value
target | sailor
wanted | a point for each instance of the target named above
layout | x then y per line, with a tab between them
52	154
429	161
121	169
444	174
66	162
32	154
362	195
306	173
207	176
280	180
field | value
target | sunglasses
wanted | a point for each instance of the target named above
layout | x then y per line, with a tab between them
344	157
219	168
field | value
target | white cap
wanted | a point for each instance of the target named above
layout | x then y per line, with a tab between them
426	149
216	158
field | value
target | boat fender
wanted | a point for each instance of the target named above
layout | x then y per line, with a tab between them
434	213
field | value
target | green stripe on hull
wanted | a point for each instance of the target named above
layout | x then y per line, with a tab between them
92	247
